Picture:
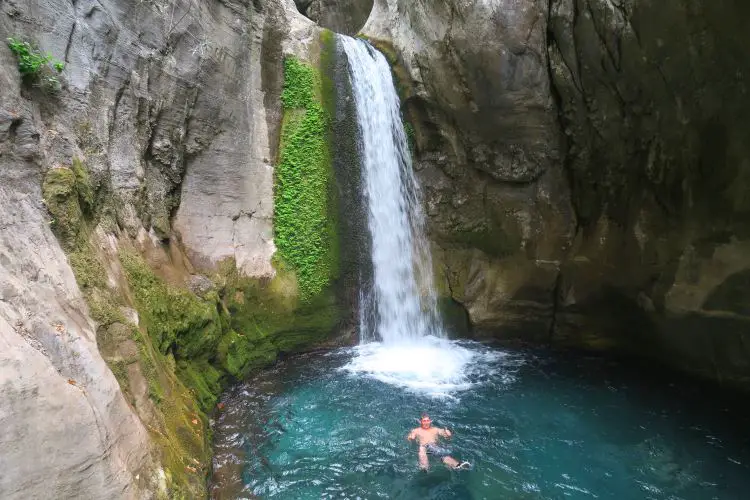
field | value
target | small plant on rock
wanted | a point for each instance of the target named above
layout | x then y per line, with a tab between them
36	67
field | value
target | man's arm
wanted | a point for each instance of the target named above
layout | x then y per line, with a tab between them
445	433
412	435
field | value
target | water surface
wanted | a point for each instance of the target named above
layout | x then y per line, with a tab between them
534	424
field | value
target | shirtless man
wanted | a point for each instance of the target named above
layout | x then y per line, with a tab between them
427	437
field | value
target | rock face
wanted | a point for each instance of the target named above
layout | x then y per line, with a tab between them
488	150
584	165
170	113
654	104
66	430
341	16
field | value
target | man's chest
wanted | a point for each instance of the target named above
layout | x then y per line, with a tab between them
427	436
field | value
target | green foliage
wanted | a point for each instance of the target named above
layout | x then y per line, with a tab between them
35	66
299	85
304	206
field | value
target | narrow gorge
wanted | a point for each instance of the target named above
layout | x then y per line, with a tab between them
195	194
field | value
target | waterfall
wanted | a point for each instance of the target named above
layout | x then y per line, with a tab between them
400	306
402	341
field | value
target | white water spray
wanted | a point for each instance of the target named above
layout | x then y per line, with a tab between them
402	340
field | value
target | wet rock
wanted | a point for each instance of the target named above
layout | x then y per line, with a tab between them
347	16
487	144
200	285
171	108
654	108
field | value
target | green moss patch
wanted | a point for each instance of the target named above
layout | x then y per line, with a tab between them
60	191
205	381
266	317
177	320
185	348
304	202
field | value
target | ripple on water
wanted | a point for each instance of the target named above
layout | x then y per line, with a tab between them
333	426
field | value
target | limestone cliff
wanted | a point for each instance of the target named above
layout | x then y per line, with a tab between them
585	167
137	198
489	150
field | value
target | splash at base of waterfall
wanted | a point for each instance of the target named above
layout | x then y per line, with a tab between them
432	366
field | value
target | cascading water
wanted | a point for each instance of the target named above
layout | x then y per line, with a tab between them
402	339
403	298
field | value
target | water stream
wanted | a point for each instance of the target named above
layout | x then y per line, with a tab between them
402	339
403	297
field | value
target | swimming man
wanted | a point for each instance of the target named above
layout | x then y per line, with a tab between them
427	437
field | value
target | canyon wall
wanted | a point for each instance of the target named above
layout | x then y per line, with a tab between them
341	16
135	266
584	165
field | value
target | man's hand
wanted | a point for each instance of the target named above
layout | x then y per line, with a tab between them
447	433
412	435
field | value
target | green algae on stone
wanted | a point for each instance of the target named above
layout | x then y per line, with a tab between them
69	197
203	379
83	186
60	191
180	394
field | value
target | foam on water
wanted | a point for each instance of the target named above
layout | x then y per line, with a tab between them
432	366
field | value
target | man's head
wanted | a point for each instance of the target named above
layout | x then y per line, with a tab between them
425	421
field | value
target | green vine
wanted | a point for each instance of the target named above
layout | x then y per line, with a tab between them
304	209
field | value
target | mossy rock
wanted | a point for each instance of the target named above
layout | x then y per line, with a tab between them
204	380
61	196
267	317
176	318
69	197
401	76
